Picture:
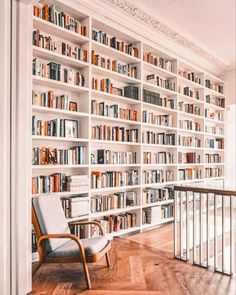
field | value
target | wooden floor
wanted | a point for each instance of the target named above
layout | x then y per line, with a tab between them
141	264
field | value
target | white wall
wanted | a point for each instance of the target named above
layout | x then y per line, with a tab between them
230	145
5	148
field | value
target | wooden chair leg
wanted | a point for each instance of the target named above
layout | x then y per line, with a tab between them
37	266
107	259
86	273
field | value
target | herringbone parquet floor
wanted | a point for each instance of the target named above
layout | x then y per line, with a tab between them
140	265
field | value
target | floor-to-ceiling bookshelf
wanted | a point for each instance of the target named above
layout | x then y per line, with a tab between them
193	115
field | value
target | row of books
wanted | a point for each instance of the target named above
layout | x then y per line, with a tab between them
57	72
189	158
190	125
106	85
115	133
153	118
215	143
50	100
115	223
194	77
151	137
113	111
102	156
190	173
157	214
101	203
58	46
186	90
215	115
75	206
189	141
157	176
114	65
53	156
213	172
59	182
158	158
162	82
213	158
158	61
49	184
214	86
217	101
80	231
56	127
214	130
153	195
156	99
104	38
189	108
77	183
114	178
59	18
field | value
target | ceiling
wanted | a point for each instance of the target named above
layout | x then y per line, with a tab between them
208	23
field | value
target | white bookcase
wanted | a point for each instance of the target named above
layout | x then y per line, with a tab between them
84	95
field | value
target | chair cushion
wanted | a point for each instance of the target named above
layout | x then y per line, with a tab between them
51	219
91	247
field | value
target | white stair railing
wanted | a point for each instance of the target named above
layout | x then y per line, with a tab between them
204	228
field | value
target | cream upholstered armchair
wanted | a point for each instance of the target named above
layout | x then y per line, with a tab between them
55	241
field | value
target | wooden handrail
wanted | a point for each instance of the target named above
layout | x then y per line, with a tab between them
205	190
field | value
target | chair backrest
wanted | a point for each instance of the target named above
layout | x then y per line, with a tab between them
50	220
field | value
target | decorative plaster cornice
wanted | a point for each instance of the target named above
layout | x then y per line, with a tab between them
169	33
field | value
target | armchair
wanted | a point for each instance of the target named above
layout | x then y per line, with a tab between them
55	242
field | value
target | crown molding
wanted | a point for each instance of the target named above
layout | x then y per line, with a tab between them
168	32
132	22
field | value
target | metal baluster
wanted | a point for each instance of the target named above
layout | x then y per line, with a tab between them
194	208
200	229
223	233
215	233
231	235
175	222
208	230
187	226
181	227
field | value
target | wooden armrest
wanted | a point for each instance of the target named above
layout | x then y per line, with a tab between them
61	236
88	222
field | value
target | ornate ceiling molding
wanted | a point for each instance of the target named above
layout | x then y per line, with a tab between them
169	33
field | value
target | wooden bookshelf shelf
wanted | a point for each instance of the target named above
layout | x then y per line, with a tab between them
160	203
118	120
58	31
112	189
36	167
108	103
189	99
59	85
159	89
115	142
114	53
96	70
115	98
55	138
157	70
58	58
190	83
43	110
95	166
114	211
159	108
